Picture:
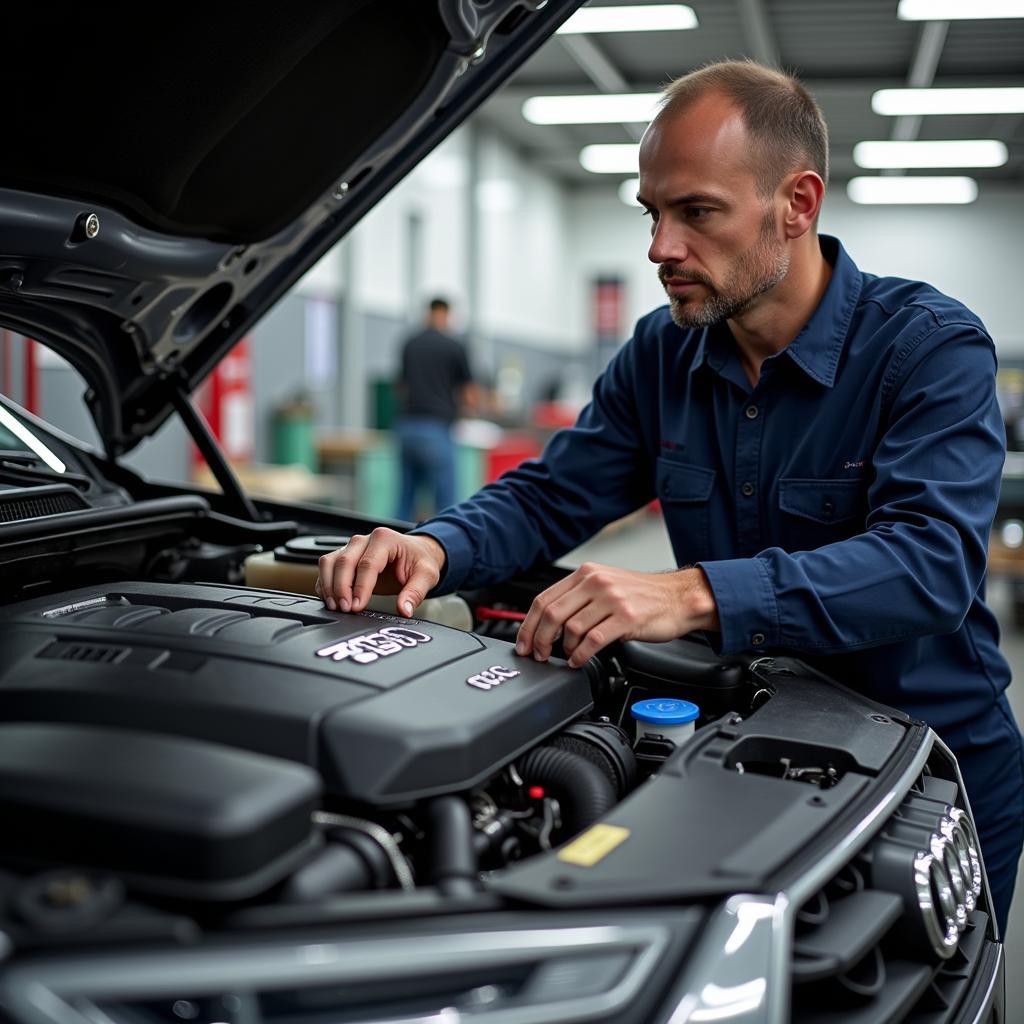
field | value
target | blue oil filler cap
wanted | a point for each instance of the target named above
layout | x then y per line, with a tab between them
665	711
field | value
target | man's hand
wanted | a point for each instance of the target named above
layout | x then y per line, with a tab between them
385	562
598	604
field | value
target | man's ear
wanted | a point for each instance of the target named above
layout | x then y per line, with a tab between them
802	193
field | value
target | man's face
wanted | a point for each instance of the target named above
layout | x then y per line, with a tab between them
713	237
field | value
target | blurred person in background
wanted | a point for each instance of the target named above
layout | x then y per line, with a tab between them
826	446
434	384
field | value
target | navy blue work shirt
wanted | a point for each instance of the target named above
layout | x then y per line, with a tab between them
840	509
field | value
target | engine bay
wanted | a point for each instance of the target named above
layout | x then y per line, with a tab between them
191	740
201	746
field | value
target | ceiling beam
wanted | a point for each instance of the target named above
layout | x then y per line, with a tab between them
757	31
923	66
594	63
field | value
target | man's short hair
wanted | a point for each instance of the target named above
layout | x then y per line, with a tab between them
438	303
783	120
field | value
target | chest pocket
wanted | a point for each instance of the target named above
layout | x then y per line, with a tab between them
818	512
684	491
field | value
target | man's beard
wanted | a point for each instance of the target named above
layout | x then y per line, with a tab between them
754	273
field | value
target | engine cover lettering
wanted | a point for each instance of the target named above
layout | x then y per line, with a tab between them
368	647
491	677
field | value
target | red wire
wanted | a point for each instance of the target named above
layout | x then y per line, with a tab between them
500	613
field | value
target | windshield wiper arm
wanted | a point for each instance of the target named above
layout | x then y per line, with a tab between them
24	467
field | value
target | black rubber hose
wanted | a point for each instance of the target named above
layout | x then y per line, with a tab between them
453	860
337	868
584	792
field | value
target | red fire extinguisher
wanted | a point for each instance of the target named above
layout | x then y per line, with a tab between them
225	400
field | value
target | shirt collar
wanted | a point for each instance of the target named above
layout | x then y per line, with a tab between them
818	346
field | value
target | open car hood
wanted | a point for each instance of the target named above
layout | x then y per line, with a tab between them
163	186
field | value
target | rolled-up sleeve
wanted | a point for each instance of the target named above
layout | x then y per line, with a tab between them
920	560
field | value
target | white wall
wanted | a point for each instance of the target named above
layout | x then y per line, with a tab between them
523	246
390	279
525	252
971	252
434	193
610	239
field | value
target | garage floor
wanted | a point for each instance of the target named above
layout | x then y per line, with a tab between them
640	542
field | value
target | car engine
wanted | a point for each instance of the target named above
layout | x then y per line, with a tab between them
278	708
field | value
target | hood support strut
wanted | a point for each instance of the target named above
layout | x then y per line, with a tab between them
241	504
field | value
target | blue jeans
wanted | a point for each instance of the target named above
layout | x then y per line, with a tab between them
428	461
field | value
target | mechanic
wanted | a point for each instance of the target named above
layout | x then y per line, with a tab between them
825	444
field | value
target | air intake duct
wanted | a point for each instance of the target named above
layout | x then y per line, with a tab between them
588	767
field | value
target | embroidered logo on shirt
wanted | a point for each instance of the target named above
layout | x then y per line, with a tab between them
853	464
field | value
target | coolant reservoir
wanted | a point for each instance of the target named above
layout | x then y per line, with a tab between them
668	717
294	567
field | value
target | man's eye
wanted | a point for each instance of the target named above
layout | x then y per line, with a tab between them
698	212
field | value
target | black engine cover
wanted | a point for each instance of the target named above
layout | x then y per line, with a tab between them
388	710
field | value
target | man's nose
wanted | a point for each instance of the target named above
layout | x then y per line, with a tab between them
667	244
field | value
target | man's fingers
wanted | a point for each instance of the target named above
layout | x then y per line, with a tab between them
577	627
337	571
553	619
378	554
597	638
524	638
417	586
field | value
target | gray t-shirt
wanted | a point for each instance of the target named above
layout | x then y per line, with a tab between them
434	368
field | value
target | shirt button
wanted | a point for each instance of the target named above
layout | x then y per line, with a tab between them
757	639
828	507
751	412
747	489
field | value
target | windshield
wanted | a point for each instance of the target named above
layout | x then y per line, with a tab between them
15	436
9	442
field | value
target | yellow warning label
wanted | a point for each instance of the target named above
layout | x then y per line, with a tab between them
593	845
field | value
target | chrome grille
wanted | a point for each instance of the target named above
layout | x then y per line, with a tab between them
897	933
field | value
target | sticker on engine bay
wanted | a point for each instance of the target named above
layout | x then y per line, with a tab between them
593	845
368	647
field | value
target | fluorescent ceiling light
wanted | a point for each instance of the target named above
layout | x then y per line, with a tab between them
639	18
628	190
957	10
912	190
901	102
611	158
610	108
960	153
